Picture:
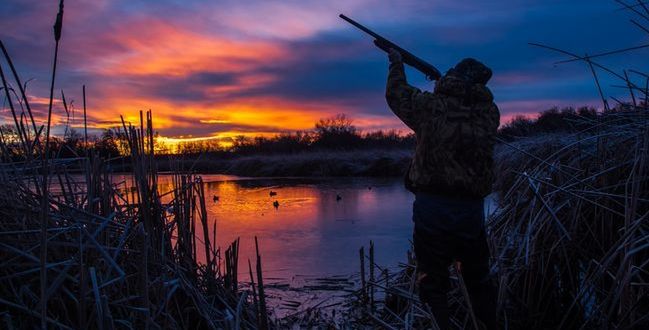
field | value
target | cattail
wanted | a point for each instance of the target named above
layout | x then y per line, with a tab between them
58	25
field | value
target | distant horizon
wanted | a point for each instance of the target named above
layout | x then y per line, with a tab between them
218	70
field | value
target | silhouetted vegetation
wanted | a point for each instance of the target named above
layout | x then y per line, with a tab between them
336	133
555	120
83	251
111	143
335	147
332	133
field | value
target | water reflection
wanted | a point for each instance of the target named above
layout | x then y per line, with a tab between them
317	225
311	231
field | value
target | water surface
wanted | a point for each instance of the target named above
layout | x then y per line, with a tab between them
313	231
318	225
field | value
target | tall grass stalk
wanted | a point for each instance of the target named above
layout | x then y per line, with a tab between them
85	250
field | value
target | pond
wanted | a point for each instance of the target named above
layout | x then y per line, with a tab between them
307	226
309	230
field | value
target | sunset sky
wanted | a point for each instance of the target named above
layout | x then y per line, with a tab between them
222	68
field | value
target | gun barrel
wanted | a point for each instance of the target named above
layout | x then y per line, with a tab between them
430	71
360	27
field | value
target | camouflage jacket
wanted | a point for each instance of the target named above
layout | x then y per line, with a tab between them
455	128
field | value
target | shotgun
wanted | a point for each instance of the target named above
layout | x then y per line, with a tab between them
384	44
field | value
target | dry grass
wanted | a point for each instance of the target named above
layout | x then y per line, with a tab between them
78	250
115	257
569	239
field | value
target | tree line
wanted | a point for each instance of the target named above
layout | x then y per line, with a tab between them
566	120
333	133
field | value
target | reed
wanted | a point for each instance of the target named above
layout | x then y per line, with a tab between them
117	256
570	237
569	240
79	250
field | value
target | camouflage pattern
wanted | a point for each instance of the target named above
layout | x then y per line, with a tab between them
455	128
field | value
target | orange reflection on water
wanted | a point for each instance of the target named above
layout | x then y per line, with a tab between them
316	228
311	231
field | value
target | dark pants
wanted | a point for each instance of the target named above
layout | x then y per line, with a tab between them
446	230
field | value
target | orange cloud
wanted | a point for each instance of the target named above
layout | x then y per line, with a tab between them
200	84
153	47
239	117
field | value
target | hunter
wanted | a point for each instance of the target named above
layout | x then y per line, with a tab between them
450	175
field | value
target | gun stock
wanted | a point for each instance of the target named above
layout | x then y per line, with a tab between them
384	44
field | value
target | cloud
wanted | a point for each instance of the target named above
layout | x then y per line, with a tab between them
227	67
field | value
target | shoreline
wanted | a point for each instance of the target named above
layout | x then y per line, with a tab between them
359	163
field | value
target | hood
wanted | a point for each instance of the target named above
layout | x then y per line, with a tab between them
451	85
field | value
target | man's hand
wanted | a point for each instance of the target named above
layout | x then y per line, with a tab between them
394	56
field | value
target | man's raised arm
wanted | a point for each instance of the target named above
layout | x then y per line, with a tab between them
404	100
